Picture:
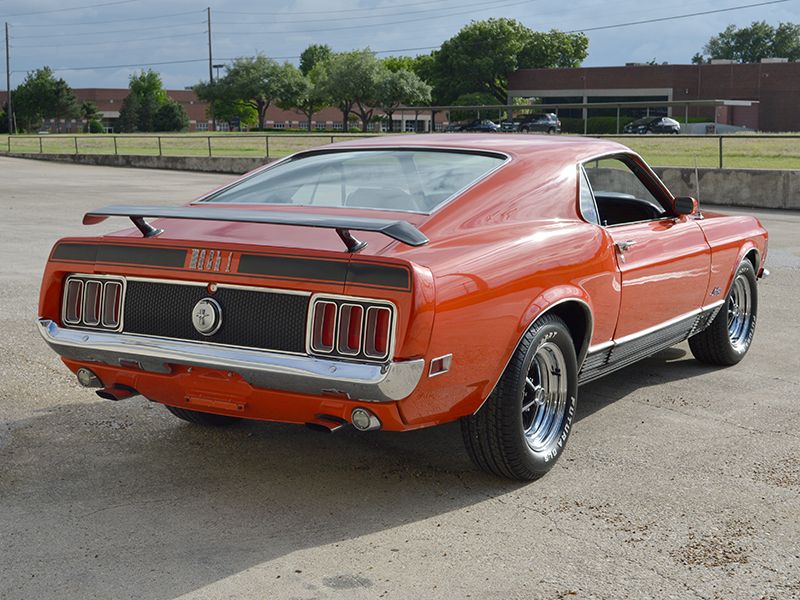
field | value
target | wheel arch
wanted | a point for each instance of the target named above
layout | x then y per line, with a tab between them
749	252
571	305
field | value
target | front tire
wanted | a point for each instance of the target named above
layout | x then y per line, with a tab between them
728	338
522	428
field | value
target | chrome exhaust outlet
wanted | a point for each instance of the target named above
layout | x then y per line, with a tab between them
326	423
365	420
116	393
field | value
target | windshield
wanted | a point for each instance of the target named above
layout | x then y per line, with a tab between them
413	180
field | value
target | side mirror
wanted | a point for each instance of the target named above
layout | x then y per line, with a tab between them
686	206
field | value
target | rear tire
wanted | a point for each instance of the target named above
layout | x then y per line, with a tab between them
202	418
728	338
522	428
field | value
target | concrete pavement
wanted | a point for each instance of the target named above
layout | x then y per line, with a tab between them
680	480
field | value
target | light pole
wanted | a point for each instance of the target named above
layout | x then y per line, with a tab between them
213	100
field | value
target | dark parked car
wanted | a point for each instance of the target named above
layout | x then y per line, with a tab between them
481	125
544	122
653	125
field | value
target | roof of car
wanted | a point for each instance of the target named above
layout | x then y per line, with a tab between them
567	148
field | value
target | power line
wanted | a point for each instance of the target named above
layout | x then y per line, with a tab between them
492	4
699	14
111	41
414	20
57	10
92	23
60	35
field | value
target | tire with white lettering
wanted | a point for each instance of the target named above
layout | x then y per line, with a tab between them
202	418
522	428
728	338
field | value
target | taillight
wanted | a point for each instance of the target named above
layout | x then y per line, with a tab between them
351	328
73	302
379	321
92	301
323	327
112	304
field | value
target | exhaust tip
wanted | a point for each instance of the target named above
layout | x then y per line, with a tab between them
326	423
88	379
118	392
365	420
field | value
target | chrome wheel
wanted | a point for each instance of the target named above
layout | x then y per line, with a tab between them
523	427
727	338
740	309
544	400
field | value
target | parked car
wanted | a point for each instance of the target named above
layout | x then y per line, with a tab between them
485	125
402	282
653	125
543	122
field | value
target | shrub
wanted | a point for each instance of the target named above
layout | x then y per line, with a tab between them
170	116
94	126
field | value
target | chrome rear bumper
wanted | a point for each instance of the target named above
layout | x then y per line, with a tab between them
270	370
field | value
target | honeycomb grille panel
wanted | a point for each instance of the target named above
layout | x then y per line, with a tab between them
250	318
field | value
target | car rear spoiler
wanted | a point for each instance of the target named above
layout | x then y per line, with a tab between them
402	231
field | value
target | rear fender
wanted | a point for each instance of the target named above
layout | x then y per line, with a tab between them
572	305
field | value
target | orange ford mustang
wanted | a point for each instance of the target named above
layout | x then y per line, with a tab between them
402	282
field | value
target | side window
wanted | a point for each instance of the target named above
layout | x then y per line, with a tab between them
619	194
588	207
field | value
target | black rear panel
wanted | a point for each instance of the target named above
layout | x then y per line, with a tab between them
253	319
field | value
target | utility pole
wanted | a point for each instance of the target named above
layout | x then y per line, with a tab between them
8	83
210	72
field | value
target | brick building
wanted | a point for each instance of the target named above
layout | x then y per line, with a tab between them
109	101
773	84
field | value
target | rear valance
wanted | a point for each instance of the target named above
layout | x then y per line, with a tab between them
402	231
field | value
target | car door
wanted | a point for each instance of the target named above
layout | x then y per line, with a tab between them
663	259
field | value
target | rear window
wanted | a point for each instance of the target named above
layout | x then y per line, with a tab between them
405	180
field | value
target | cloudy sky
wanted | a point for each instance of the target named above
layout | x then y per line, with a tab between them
99	43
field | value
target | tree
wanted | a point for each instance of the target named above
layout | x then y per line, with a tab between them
313	55
351	79
129	113
480	57
63	104
148	84
751	44
42	95
227	110
302	93
140	105
89	111
253	81
401	88
170	116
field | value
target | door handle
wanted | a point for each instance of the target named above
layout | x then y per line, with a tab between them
623	247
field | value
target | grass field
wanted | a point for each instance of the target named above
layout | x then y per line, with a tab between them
240	144
743	151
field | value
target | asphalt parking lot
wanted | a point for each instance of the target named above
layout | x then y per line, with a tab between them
680	480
